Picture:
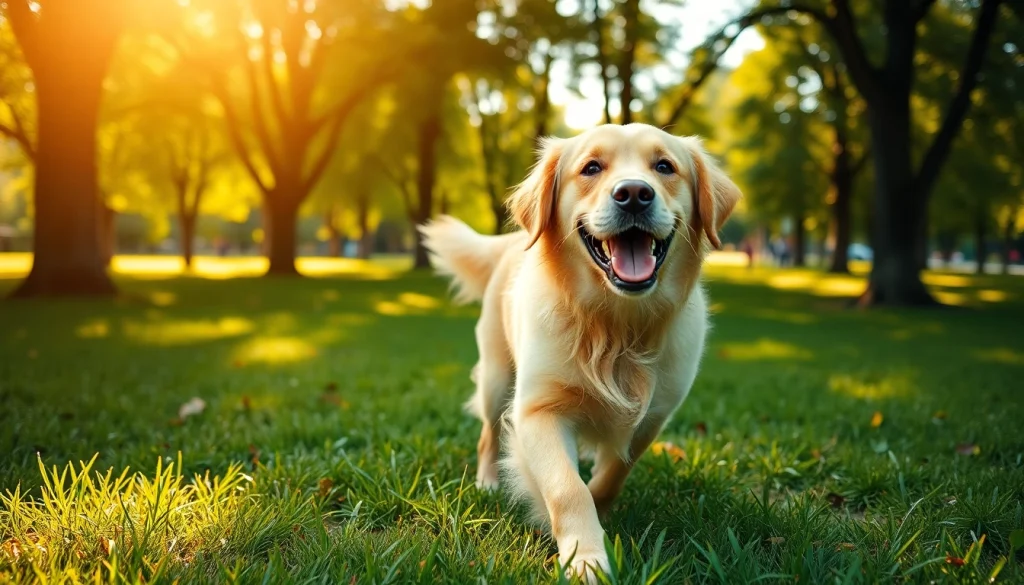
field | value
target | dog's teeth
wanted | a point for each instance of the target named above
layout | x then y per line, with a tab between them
606	248
654	245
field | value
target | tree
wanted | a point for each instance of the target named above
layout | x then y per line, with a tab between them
68	46
303	68
902	192
778	149
17	107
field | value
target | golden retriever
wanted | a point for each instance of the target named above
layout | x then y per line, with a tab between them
593	320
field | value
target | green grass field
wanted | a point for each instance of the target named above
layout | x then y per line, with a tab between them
819	445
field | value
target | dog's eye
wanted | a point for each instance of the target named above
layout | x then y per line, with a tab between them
591	168
664	167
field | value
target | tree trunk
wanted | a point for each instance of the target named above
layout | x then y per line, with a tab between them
430	131
187	225
631	12
895	273
333	236
107	232
921	249
501	216
980	249
842	182
281	210
799	241
597	26
68	255
543	101
365	248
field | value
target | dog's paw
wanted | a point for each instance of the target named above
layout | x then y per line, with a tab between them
586	565
487	478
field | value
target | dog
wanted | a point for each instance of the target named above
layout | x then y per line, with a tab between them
593	319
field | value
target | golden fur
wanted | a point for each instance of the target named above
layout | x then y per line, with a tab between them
579	359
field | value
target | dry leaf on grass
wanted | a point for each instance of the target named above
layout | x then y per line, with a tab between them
676	453
835	500
325	486
968	449
193	407
955	561
876	419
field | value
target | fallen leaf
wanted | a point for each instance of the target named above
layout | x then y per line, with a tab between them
876	419
325	486
776	540
254	454
193	407
12	548
835	500
702	429
956	561
845	546
968	449
423	563
106	546
472	563
676	453
331	397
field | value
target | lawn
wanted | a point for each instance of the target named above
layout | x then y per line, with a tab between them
820	444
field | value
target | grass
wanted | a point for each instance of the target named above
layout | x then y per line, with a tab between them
820	444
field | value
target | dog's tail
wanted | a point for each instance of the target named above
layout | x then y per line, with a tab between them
467	257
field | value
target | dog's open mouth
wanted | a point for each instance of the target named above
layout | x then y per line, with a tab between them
630	259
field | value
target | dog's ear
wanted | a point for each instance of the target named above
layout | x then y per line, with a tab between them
532	203
714	193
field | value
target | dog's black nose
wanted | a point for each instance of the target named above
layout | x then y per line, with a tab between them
633	196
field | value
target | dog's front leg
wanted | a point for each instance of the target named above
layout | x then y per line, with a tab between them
611	471
547	454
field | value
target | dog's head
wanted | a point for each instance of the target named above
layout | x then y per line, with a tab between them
633	196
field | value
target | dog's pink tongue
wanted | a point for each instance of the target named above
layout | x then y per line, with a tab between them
632	260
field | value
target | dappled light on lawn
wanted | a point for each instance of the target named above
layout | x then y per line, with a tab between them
183	332
407	303
17	265
275	350
1001	355
893	386
763	349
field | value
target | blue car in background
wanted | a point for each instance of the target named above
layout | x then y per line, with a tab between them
859	252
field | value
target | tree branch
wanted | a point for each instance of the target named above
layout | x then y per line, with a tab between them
236	138
861	162
276	97
922	8
841	28
26	29
18	134
257	108
961	102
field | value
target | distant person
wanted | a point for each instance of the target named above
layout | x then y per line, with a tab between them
748	249
1014	256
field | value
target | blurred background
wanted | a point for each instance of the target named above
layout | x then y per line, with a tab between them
886	139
